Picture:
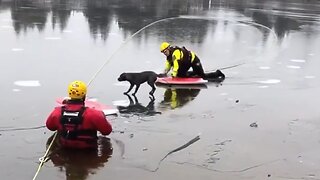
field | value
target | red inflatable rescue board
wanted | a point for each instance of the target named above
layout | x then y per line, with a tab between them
92	103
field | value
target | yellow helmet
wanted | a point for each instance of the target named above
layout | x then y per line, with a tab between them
77	90
164	46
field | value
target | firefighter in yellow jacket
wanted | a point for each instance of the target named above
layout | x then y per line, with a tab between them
180	60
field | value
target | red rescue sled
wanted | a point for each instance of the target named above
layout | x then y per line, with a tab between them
92	103
181	81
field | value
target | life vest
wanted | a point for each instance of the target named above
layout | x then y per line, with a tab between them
185	55
71	120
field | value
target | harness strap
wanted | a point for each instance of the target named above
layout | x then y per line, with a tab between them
71	120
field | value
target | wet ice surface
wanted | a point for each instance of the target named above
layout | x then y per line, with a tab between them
261	122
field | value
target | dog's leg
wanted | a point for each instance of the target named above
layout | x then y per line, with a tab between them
136	99
137	87
152	98
131	86
130	100
151	83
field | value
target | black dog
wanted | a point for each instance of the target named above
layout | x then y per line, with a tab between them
139	78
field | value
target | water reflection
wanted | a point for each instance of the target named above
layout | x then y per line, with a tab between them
136	108
176	98
99	17
132	16
28	15
280	25
79	164
280	16
60	13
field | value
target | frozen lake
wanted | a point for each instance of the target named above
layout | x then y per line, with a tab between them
262	121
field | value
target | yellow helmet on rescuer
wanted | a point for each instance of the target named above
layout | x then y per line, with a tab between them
77	90
164	46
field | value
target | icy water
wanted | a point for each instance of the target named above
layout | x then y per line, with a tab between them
261	122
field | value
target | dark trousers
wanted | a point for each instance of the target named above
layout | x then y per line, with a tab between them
197	69
199	72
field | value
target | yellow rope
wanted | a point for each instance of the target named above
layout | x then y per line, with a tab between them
43	159
165	19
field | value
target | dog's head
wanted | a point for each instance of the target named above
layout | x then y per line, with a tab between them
122	77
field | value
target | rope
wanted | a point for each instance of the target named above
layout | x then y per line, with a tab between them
44	158
21	129
145	27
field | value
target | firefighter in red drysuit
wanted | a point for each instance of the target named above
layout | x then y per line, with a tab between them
76	124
